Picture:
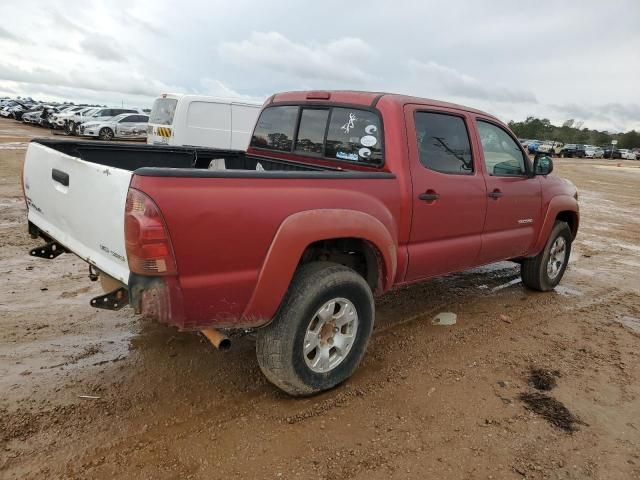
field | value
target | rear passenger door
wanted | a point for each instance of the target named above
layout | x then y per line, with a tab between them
449	194
513	196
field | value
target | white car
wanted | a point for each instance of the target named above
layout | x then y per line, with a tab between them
627	154
100	114
32	117
591	151
125	125
63	116
78	117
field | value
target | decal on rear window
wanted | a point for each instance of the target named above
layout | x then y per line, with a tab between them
348	134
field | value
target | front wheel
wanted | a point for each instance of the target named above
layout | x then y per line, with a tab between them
105	134
544	271
321	331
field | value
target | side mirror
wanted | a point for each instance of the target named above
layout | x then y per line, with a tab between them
542	164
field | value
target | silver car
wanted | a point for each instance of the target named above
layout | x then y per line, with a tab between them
125	125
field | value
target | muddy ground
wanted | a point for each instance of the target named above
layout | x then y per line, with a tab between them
428	401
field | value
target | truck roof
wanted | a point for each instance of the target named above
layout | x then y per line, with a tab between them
368	99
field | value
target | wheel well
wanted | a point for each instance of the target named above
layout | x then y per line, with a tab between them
355	253
571	219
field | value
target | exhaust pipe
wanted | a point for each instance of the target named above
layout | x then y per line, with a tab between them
217	338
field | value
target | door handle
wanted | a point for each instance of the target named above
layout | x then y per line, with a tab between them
60	176
429	196
495	194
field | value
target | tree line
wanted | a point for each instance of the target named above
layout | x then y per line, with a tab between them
572	132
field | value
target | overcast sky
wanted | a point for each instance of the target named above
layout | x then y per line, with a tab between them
556	59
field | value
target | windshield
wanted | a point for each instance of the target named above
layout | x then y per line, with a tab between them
163	111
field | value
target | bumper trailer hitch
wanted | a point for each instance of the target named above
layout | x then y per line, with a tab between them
49	251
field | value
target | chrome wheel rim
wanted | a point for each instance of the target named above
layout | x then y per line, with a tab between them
557	257
330	335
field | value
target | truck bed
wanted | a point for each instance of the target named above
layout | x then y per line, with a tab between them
76	191
131	157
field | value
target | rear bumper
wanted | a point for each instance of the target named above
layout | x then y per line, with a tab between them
158	299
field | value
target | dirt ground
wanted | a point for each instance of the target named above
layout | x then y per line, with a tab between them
442	402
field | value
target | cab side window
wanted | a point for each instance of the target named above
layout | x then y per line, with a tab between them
443	143
502	155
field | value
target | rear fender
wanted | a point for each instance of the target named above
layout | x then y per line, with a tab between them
560	203
301	230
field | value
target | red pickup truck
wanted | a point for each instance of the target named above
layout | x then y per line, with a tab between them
340	196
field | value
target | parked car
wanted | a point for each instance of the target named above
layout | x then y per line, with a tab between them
29	110
101	114
611	153
60	119
532	146
591	151
79	117
550	148
343	195
45	115
9	110
32	116
125	125
627	154
571	150
201	121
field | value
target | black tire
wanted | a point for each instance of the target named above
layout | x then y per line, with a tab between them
534	271
280	345
105	134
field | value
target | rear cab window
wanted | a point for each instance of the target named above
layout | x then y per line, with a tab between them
162	111
329	132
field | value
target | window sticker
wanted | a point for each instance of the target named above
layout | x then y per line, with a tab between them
364	152
350	123
368	140
347	156
370	129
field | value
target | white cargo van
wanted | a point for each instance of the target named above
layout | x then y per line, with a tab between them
199	121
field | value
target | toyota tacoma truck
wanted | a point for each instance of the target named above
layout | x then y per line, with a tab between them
340	196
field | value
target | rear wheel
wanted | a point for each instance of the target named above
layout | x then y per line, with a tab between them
321	331
105	134
544	271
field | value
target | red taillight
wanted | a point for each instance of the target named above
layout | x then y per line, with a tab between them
149	250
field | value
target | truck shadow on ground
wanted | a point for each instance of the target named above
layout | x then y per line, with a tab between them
186	360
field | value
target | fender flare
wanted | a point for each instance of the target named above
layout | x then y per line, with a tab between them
295	234
560	203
